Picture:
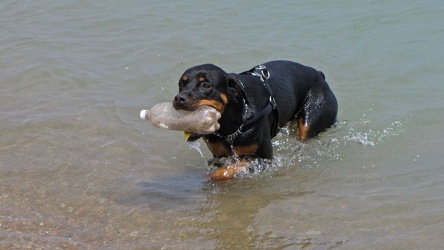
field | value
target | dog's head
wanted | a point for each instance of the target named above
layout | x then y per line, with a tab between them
205	85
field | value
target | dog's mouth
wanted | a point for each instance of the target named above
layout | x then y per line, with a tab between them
183	102
189	106
212	103
192	105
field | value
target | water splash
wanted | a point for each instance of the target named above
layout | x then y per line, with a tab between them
371	137
327	147
195	145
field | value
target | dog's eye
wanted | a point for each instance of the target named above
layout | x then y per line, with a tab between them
205	85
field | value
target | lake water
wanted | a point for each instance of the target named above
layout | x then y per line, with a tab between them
80	170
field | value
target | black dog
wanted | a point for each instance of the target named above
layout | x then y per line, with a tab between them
254	104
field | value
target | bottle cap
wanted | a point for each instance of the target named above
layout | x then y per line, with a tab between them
143	114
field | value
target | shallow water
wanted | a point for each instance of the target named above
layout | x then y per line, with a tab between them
80	170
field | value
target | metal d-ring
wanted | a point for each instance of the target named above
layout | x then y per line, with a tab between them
265	73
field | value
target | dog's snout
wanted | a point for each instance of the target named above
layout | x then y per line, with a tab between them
180	100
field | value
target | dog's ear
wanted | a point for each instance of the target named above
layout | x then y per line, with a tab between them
236	87
232	83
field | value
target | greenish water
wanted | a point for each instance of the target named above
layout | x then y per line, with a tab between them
79	170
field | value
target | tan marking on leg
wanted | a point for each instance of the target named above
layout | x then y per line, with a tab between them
246	150
218	149
229	172
302	132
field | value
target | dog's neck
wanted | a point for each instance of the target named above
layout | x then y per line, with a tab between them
235	115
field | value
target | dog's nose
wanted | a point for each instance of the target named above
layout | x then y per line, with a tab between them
180	100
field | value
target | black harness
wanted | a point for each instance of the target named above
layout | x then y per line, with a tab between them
263	74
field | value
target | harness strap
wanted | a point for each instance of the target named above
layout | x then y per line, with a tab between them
271	105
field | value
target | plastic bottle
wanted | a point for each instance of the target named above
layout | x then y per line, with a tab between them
203	120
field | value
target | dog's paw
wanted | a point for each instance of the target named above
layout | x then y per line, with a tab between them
230	171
